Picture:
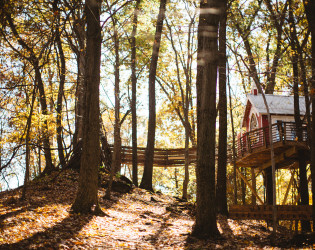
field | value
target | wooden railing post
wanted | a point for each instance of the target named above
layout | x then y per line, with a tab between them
265	137
280	130
284	132
249	146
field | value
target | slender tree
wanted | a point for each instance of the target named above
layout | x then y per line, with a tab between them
207	64
303	186
134	95
62	77
77	44
117	125
27	145
146	181
86	200
310	14
221	199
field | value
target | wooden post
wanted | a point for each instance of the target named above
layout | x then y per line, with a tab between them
284	132
254	186
296	200
265	138
249	148
249	185
288	189
279	127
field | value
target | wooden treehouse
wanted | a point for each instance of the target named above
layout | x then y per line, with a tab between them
253	152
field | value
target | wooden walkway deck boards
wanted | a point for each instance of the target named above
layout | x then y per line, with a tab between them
162	157
264	212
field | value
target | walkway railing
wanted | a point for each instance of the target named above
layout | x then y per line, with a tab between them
281	132
162	157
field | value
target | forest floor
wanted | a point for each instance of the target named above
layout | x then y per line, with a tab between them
135	220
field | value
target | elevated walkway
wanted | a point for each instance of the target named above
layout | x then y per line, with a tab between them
264	212
162	157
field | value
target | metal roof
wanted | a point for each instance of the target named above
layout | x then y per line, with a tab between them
278	104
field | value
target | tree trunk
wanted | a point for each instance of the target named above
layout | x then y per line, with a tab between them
27	146
253	185
310	14
134	96
86	200
146	181
221	199
303	185
46	142
186	179
243	186
273	165
117	138
268	184
1	133
79	34
62	77
207	63
233	146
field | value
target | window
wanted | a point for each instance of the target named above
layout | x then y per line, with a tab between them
253	122
254	137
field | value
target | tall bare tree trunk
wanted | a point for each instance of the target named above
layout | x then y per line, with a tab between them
303	185
243	186
186	179
146	181
221	199
80	36
62	77
134	96
86	200
310	14
233	146
46	142
207	64
27	145
117	138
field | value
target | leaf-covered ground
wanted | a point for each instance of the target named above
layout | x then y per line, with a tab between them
136	220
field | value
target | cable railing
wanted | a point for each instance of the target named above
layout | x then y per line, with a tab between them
281	132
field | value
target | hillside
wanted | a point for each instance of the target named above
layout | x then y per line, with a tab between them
135	220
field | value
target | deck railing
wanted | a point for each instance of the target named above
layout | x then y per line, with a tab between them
281	132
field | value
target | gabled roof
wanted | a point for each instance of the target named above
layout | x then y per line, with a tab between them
278	105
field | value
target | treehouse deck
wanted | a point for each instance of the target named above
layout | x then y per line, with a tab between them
253	148
264	212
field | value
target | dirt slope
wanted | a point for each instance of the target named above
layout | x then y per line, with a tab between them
136	220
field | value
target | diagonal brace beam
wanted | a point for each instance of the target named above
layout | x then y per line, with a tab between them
249	185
